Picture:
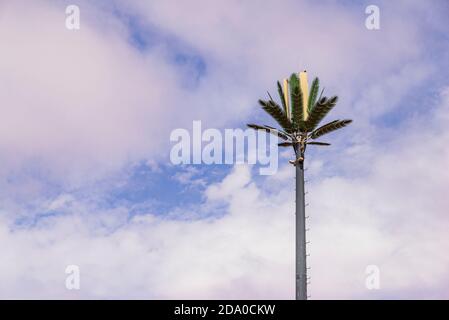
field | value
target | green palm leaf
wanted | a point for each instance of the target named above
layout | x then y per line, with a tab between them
281	95
321	109
296	99
329	127
274	110
313	94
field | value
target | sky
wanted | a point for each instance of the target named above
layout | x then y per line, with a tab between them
86	177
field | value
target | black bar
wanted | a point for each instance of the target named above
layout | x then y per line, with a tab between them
217	309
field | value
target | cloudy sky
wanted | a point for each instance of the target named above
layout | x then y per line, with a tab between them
86	179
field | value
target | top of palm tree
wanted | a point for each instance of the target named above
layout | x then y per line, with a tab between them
300	116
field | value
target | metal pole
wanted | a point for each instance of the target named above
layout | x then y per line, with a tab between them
301	267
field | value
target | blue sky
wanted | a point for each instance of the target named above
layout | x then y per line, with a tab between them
84	141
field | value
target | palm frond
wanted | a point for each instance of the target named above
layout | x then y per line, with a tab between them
274	110
282	96
296	99
277	129
269	129
319	111
313	94
329	127
319	143
285	144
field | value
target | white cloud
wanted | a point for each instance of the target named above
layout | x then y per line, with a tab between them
152	257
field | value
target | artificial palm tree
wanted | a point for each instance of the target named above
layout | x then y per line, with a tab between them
299	117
